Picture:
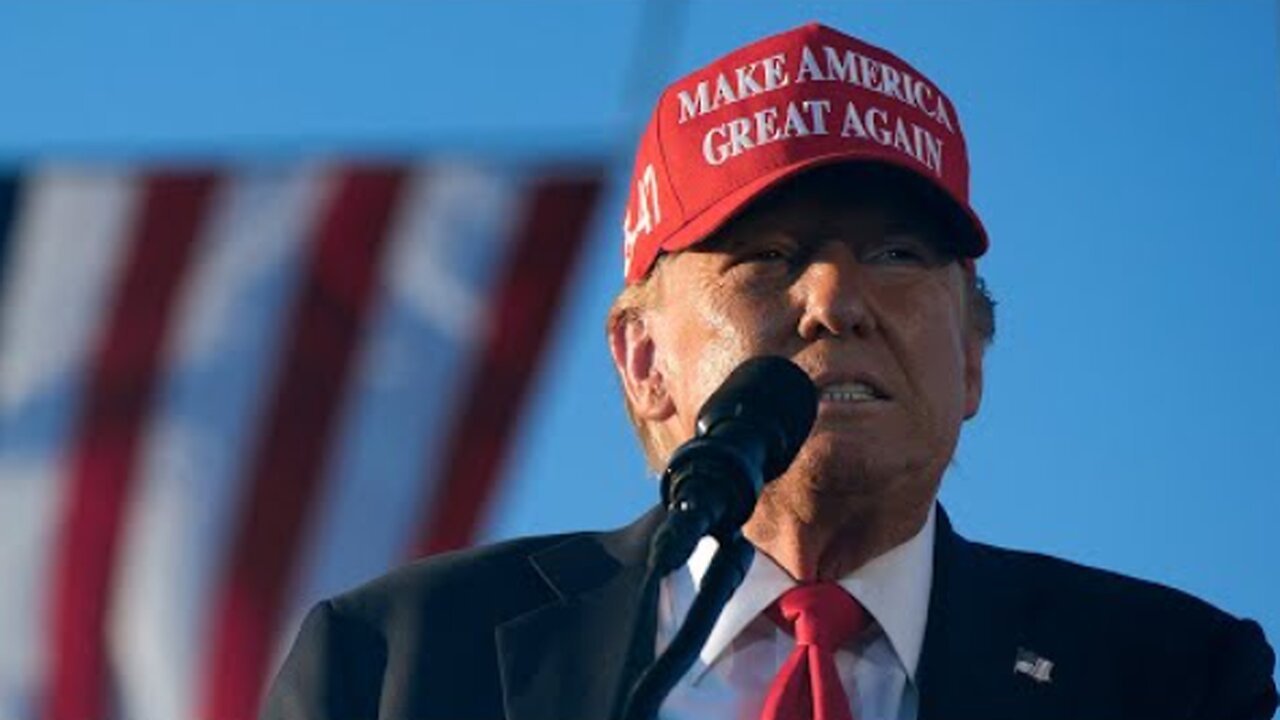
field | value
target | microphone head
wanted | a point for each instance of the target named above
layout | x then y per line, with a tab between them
773	394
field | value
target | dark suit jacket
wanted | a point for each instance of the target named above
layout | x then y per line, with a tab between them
538	628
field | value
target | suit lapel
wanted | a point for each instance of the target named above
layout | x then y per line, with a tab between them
980	615
569	658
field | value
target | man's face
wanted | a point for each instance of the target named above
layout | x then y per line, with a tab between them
854	284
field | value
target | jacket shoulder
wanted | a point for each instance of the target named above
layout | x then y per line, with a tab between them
1155	639
417	642
491	582
1093	589
1018	580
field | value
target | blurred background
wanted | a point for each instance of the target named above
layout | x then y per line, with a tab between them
294	292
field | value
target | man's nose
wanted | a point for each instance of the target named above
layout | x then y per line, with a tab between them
833	291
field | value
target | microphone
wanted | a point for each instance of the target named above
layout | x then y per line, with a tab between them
748	432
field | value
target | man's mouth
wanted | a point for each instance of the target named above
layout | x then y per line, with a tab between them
852	392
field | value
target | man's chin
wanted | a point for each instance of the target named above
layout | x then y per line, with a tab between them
826	467
836	464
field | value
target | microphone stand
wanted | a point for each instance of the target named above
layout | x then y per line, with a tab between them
728	568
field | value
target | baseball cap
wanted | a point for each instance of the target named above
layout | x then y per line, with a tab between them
727	133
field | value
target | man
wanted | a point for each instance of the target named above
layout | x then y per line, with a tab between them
805	196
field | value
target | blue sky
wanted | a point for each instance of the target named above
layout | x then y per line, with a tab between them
1126	162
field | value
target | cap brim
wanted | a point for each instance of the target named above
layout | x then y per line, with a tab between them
971	236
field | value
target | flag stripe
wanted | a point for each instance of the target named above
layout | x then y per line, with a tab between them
121	380
67	254
291	451
524	308
49	309
220	357
446	251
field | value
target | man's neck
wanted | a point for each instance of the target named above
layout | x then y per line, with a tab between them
814	540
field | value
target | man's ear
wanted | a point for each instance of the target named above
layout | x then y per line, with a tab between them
975	349
635	358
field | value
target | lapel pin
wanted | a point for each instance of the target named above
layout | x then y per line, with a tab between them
1033	666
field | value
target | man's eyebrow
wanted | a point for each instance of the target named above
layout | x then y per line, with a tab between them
715	242
901	222
919	228
731	236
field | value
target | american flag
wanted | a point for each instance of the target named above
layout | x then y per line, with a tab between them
228	392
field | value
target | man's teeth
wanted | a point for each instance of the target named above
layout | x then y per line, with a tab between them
849	392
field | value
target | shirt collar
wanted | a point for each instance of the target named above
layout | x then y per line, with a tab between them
893	587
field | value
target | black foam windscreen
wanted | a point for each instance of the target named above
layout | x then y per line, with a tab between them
773	394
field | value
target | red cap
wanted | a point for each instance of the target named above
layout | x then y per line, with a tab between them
723	135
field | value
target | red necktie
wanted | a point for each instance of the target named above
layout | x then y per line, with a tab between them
822	616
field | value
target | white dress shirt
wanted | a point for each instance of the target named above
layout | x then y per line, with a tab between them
746	649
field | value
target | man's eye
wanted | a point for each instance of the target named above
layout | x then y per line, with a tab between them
902	255
768	255
908	254
764	255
